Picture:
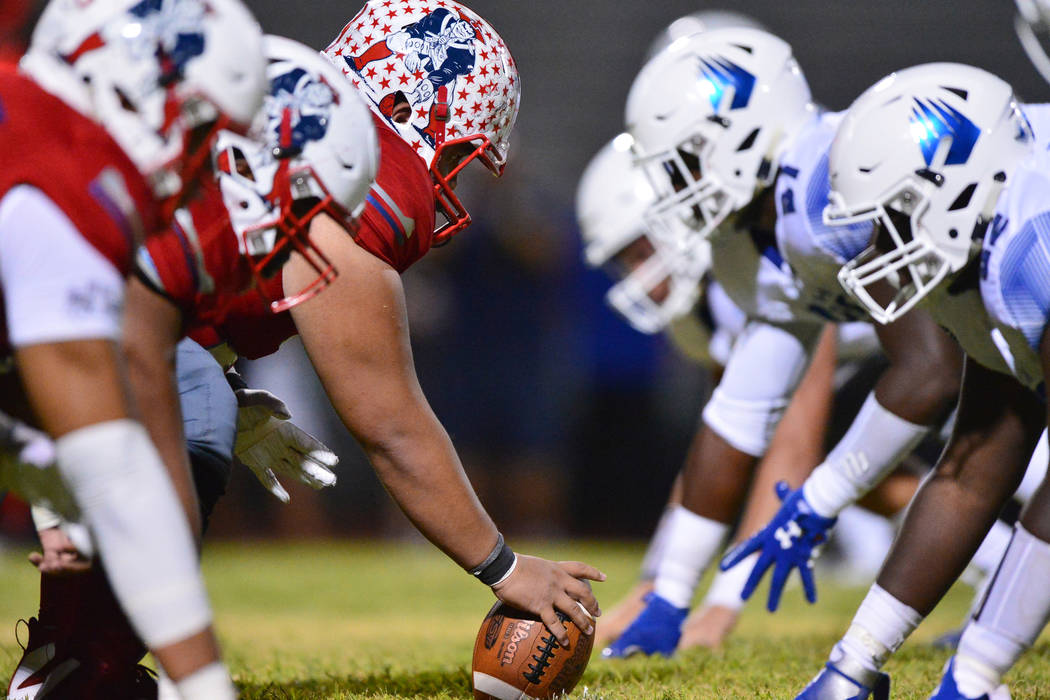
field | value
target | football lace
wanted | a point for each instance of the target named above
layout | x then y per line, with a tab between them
548	645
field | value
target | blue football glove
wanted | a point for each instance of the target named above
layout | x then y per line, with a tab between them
792	539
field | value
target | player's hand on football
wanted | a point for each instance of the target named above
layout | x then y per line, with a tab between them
269	444
541	587
59	556
791	540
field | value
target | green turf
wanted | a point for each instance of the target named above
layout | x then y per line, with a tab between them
361	620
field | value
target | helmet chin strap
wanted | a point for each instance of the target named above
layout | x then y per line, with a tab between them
980	228
766	173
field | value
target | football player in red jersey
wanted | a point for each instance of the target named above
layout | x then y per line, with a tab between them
312	153
444	93
358	339
101	131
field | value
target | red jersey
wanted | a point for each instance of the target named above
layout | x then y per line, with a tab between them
196	262
49	145
397	226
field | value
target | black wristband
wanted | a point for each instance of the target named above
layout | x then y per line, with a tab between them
497	565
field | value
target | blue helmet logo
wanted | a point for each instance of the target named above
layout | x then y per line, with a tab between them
177	30
934	120
298	109
720	73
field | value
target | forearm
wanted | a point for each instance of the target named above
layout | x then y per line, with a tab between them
419	467
152	379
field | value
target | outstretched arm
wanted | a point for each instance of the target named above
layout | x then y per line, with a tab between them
356	335
153	326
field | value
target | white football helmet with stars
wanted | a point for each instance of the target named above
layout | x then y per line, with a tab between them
457	75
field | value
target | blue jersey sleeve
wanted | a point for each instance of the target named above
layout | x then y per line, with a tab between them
1024	276
843	242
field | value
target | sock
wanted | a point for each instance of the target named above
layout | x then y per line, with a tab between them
657	545
881	625
209	683
692	541
378	52
726	585
60	601
1015	610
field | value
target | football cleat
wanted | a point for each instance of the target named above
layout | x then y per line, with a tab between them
948	690
49	670
656	630
847	680
41	668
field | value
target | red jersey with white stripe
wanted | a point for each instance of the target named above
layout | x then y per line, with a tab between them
196	263
71	159
397	226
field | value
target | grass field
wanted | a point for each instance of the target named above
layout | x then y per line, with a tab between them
363	620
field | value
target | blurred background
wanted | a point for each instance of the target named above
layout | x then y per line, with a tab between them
568	422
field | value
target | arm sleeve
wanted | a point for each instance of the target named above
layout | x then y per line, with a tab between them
765	367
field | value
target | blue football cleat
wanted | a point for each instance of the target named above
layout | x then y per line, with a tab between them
656	630
948	690
847	680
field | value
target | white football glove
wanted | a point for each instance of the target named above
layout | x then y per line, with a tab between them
27	467
269	444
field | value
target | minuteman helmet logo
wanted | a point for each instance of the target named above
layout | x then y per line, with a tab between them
298	109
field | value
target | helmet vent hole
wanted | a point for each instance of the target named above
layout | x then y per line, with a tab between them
125	102
958	91
744	48
953	234
748	142
240	163
963	200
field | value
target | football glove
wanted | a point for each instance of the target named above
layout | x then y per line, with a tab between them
792	539
269	444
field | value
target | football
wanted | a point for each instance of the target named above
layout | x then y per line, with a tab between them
517	658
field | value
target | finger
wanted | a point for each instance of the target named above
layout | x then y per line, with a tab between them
576	612
36	559
808	584
71	563
578	569
765	560
269	480
580	590
316	475
776	585
741	552
555	626
783	490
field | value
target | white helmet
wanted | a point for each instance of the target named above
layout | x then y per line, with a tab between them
152	71
312	149
711	116
457	75
611	199
924	155
1033	29
696	22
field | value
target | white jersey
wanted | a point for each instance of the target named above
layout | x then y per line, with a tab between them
1014	279
809	247
791	276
